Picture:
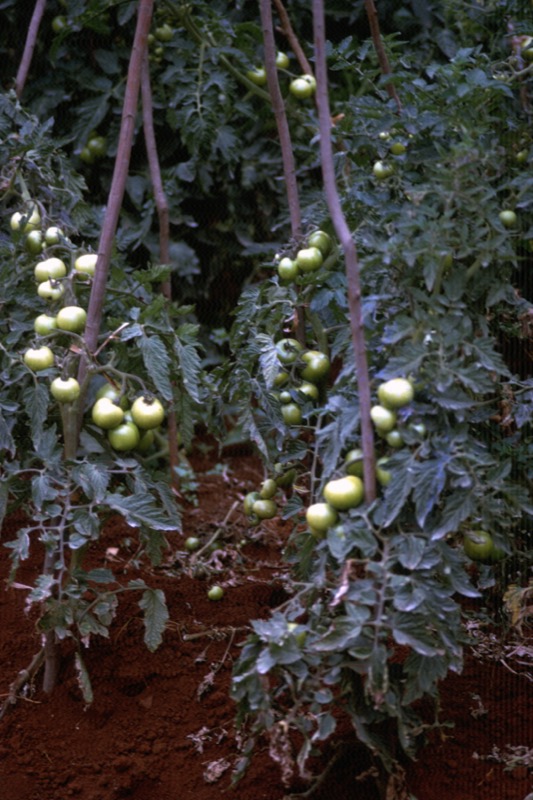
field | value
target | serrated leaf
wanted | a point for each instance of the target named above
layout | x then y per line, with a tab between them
140	510
191	368
156	615
93	479
459	506
157	363
36	398
429	482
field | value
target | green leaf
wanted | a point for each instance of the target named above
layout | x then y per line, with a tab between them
35	399
156	616
191	368
140	510
157	363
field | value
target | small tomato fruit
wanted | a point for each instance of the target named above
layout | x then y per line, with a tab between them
86	263
317	365
291	414
215	593
44	324
71	318
124	437
65	390
51	290
309	259
508	218
344	493
265	509
288	350
396	393
106	414
321	516
147	412
39	358
383	418
50	269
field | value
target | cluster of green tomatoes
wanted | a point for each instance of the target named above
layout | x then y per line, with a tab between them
302	87
315	253
127	428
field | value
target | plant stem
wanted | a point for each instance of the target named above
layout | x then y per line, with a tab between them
350	252
29	47
292	39
164	240
118	183
373	21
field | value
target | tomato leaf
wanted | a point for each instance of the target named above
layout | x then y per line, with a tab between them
157	363
156	616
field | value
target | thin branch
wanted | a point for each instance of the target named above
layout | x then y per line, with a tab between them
373	21
164	239
29	47
278	107
292	39
350	253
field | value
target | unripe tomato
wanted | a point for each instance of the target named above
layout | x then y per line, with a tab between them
478	546
53	235
285	397
59	23
39	358
26	221
398	148
383	418
86	263
344	493
215	593
265	509
71	318
164	32
146	441
106	414
309	390
321	516
50	269
192	543
281	379
320	239
86	156
317	366
249	501
147	412
309	259
282	60
97	146
113	394
65	390
51	290
394	439
383	475
257	76
44	324
292	414
301	88
288	350
508	218
396	393
125	437
288	269
382	170
34	243
269	487
354	463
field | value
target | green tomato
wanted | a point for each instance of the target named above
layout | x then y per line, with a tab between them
309	390
44	324
264	509
97	146
65	390
321	516
59	23
396	393
34	242
125	437
288	350
146	441
192	543
353	463
268	489
478	546
285	397
50	269
394	439
301	88
107	414
320	239
39	358
86	263
282	60
508	218
26	221
71	318
281	379
164	33
309	259
53	235
51	290
317	366
215	593
344	493
419	429
383	418
527	47
147	412
288	269
257	76
249	501
383	475
113	394
291	414
398	148
382	170
86	156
